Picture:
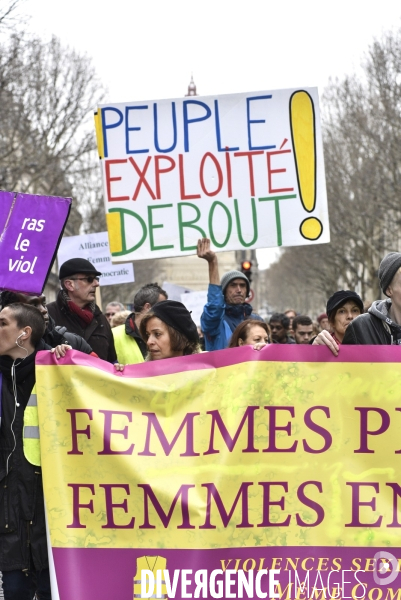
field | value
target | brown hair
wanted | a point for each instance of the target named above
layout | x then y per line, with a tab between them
301	320
178	341
241	332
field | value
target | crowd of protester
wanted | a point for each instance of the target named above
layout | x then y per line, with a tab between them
157	328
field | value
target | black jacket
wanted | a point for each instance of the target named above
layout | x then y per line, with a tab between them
55	335
97	333
22	515
374	327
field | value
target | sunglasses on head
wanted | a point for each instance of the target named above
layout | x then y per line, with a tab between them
89	279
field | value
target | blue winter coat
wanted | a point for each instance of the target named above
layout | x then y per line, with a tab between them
219	319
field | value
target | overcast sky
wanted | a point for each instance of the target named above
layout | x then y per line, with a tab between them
146	49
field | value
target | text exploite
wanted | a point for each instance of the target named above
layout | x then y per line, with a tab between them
245	170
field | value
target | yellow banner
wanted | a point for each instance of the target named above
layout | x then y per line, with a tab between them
241	450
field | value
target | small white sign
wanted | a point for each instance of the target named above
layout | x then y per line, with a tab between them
95	248
174	291
194	302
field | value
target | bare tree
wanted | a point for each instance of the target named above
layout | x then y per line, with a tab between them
10	16
47	95
362	132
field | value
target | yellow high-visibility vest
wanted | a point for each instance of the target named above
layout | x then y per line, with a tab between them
149	563
30	435
127	349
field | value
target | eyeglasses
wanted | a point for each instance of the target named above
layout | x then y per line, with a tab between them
89	279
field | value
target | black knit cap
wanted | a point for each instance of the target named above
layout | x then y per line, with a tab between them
388	268
178	317
77	265
341	297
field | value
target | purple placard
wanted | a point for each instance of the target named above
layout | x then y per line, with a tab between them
30	231
104	573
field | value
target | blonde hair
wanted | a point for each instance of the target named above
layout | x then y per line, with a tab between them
119	318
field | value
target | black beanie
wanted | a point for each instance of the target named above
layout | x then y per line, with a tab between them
388	268
178	317
341	297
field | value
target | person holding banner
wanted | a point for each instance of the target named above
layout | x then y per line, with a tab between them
169	331
381	325
23	545
75	307
226	307
342	308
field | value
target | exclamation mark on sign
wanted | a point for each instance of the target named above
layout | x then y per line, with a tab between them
302	119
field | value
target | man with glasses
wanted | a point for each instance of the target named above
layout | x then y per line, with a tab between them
75	307
112	309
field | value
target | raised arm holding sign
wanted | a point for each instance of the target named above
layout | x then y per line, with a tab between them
226	307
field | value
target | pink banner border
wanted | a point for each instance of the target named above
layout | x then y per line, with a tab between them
230	357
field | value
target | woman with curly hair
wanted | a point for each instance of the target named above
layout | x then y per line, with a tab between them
169	331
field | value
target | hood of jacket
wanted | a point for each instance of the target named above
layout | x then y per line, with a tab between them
381	310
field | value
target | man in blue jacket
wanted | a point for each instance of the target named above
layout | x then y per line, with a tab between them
226	307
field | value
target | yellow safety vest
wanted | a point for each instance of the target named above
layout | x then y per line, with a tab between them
127	349
149	563
30	435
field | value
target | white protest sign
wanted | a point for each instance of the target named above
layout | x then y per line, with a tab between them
194	302
95	248
174	291
245	170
